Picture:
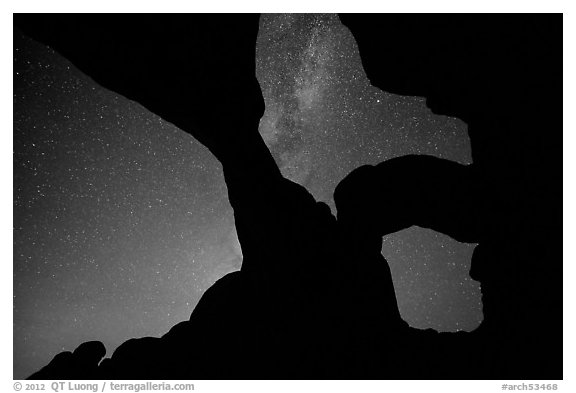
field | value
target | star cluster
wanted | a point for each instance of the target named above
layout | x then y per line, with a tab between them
121	221
323	119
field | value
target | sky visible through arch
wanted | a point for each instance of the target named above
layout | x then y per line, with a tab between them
121	220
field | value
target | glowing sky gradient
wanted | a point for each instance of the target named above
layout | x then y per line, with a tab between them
121	220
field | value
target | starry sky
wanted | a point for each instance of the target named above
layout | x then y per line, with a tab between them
121	220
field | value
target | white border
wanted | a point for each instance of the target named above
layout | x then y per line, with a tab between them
297	6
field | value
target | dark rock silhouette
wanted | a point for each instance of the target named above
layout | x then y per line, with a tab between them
80	364
436	193
314	297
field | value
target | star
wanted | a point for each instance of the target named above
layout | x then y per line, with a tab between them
121	220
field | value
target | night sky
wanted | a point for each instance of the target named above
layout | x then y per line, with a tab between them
121	220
